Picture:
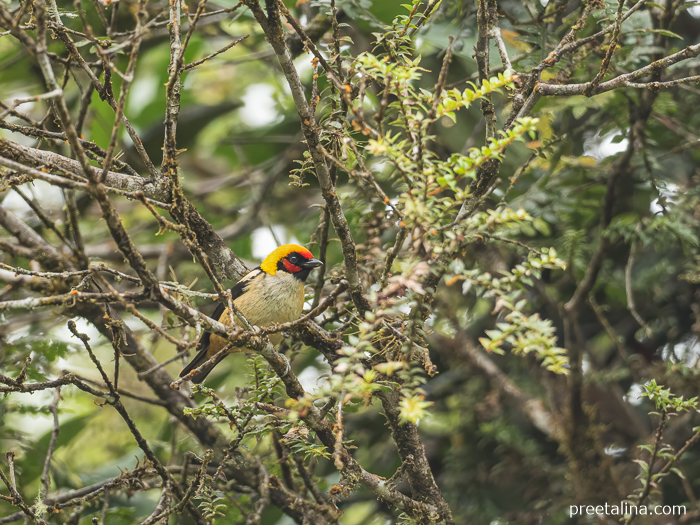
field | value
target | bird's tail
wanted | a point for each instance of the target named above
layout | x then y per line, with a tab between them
198	361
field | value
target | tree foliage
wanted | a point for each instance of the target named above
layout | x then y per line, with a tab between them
504	195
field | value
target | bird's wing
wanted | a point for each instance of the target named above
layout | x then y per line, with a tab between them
221	310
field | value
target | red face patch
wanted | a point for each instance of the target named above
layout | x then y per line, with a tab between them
291	268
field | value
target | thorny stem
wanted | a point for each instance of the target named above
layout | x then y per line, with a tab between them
45	475
165	475
652	459
273	31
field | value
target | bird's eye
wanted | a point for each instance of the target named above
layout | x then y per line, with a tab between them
293	259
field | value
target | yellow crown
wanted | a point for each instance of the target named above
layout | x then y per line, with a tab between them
269	265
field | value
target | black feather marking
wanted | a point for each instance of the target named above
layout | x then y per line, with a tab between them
238	289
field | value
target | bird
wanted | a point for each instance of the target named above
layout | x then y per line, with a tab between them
269	294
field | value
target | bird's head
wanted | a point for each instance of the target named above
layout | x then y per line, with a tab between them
290	258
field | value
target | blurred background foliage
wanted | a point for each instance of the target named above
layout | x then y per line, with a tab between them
241	134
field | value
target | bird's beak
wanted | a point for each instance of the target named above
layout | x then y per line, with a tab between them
312	263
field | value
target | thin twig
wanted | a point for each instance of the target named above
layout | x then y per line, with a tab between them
45	474
215	53
631	306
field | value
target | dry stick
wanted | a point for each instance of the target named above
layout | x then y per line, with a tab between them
10	455
128	306
74	223
483	22
22	377
197	232
193	23
16	498
215	53
105	507
500	45
311	46
125	393
19	101
70	300
104	53
143	374
264	491
650	471
442	79
614	337
44	219
391	255
105	24
217	327
155	24
338	449
159	512
84	338
208	455
612	46
322	230
56	180
362	174
70	183
529	88
89	33
628	288
101	267
105	94
627	79
18	114
45	476
66	378
113	20
96	188
126	84
275	35
165	475
52	158
663	85
86	494
344	90
172	90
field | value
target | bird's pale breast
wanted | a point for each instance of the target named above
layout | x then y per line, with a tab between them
268	300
